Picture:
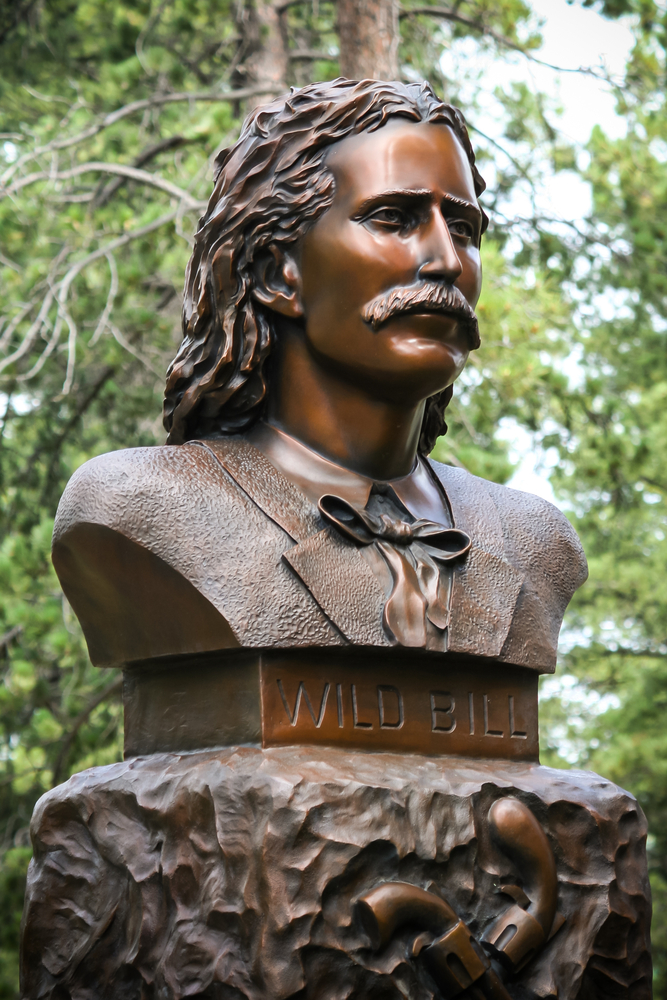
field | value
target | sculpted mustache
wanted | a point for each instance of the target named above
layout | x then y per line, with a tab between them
427	297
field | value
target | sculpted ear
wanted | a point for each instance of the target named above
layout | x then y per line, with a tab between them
278	282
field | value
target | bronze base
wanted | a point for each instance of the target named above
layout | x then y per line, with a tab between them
364	699
233	875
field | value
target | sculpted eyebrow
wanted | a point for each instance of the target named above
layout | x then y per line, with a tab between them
469	206
397	194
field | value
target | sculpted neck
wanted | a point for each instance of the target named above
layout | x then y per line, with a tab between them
340	420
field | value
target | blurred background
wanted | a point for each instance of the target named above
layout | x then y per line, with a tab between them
111	112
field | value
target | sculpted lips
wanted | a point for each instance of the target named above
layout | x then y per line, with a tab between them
427	296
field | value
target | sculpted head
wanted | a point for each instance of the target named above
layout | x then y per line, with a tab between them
348	211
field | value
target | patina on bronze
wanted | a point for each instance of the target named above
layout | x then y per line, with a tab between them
453	957
331	643
367	700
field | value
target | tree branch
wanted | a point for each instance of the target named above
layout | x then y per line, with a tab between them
64	284
13	323
111	295
9	263
308	55
654	483
32	334
120	169
502	149
649	654
448	14
131	109
56	445
282	7
173	142
9	636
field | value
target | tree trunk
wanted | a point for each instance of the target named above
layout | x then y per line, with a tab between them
368	35
265	59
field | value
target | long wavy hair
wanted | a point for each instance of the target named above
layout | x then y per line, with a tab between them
271	186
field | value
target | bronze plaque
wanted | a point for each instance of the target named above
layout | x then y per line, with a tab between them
464	710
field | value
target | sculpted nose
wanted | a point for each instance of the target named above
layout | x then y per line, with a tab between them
440	259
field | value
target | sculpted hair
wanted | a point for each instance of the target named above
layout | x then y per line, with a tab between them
271	186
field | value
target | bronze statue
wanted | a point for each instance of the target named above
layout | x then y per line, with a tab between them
290	581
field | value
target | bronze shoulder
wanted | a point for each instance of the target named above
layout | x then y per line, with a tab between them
533	537
161	552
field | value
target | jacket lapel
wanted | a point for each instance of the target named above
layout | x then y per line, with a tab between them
343	584
269	489
485	586
335	572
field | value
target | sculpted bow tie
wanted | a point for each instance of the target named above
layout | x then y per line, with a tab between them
414	553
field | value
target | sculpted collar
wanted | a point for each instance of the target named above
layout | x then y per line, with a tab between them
316	476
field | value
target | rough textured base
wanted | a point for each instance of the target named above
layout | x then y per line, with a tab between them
231	874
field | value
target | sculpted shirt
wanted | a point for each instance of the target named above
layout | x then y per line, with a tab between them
403	527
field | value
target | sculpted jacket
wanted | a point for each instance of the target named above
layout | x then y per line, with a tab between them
205	546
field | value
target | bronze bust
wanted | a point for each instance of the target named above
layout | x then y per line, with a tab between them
331	643
329	307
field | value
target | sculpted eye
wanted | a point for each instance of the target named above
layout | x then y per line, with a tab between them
390	218
461	228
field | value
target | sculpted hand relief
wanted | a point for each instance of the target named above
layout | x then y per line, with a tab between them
331	644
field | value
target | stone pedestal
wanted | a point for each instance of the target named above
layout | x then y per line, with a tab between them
231	875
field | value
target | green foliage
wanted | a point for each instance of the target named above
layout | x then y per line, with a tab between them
514	377
12	887
612	439
57	713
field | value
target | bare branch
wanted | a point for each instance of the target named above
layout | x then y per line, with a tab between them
120	241
145	32
63	287
71	344
28	307
72	199
502	149
654	483
57	442
308	55
47	352
282	7
651	654
31	336
113	291
47	98
173	142
133	108
9	636
9	263
590	238
142	176
124	342
12	325
449	14
451	459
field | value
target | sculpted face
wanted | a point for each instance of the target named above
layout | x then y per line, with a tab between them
405	218
334	275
